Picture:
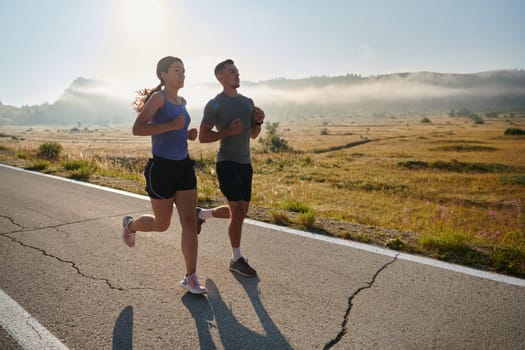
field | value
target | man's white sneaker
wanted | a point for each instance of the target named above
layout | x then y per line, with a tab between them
199	220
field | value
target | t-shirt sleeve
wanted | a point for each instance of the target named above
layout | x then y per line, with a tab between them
211	111
252	118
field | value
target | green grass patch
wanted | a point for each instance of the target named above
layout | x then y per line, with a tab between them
296	207
360	237
509	260
465	148
279	218
413	164
80	169
513	180
39	165
306	220
446	244
459	167
394	188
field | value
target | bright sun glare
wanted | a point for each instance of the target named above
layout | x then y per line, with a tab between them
142	20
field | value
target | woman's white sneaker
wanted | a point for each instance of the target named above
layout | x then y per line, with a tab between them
192	285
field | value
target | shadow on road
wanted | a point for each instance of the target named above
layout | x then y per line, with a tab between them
123	330
200	310
233	334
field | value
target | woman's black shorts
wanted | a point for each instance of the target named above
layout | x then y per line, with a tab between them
235	180
164	177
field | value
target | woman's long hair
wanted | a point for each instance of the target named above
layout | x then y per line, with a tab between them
144	94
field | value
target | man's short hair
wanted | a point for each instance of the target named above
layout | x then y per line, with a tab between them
220	67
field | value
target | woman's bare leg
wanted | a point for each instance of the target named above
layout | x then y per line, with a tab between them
185	202
159	221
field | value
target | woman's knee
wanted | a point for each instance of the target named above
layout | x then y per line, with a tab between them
162	225
188	220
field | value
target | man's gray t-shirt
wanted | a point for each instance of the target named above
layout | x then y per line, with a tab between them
220	112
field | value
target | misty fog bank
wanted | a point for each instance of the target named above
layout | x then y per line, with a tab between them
94	102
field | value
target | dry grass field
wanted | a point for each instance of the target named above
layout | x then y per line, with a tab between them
449	188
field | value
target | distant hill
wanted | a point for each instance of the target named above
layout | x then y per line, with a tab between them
85	101
88	101
418	92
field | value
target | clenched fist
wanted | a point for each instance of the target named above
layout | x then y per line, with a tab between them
192	134
235	127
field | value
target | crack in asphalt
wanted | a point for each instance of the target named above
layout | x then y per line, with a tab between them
13	222
72	263
344	324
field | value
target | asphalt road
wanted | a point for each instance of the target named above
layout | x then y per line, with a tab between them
63	261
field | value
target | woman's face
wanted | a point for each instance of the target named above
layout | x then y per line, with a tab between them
175	75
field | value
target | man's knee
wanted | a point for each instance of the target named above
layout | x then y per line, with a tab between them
238	211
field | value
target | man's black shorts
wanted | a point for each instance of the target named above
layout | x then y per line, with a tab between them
164	177
235	180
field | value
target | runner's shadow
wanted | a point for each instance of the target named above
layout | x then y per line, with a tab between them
123	330
233	334
200	310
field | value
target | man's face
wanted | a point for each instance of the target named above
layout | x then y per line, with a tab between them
230	76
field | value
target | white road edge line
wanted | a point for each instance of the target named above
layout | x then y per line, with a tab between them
356	245
26	330
400	256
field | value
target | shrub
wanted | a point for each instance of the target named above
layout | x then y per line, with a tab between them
395	243
306	219
296	207
50	151
476	119
512	131
426	121
272	142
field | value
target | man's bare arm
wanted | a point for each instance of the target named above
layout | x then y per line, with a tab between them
207	134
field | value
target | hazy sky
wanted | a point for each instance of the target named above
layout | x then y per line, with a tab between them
45	45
